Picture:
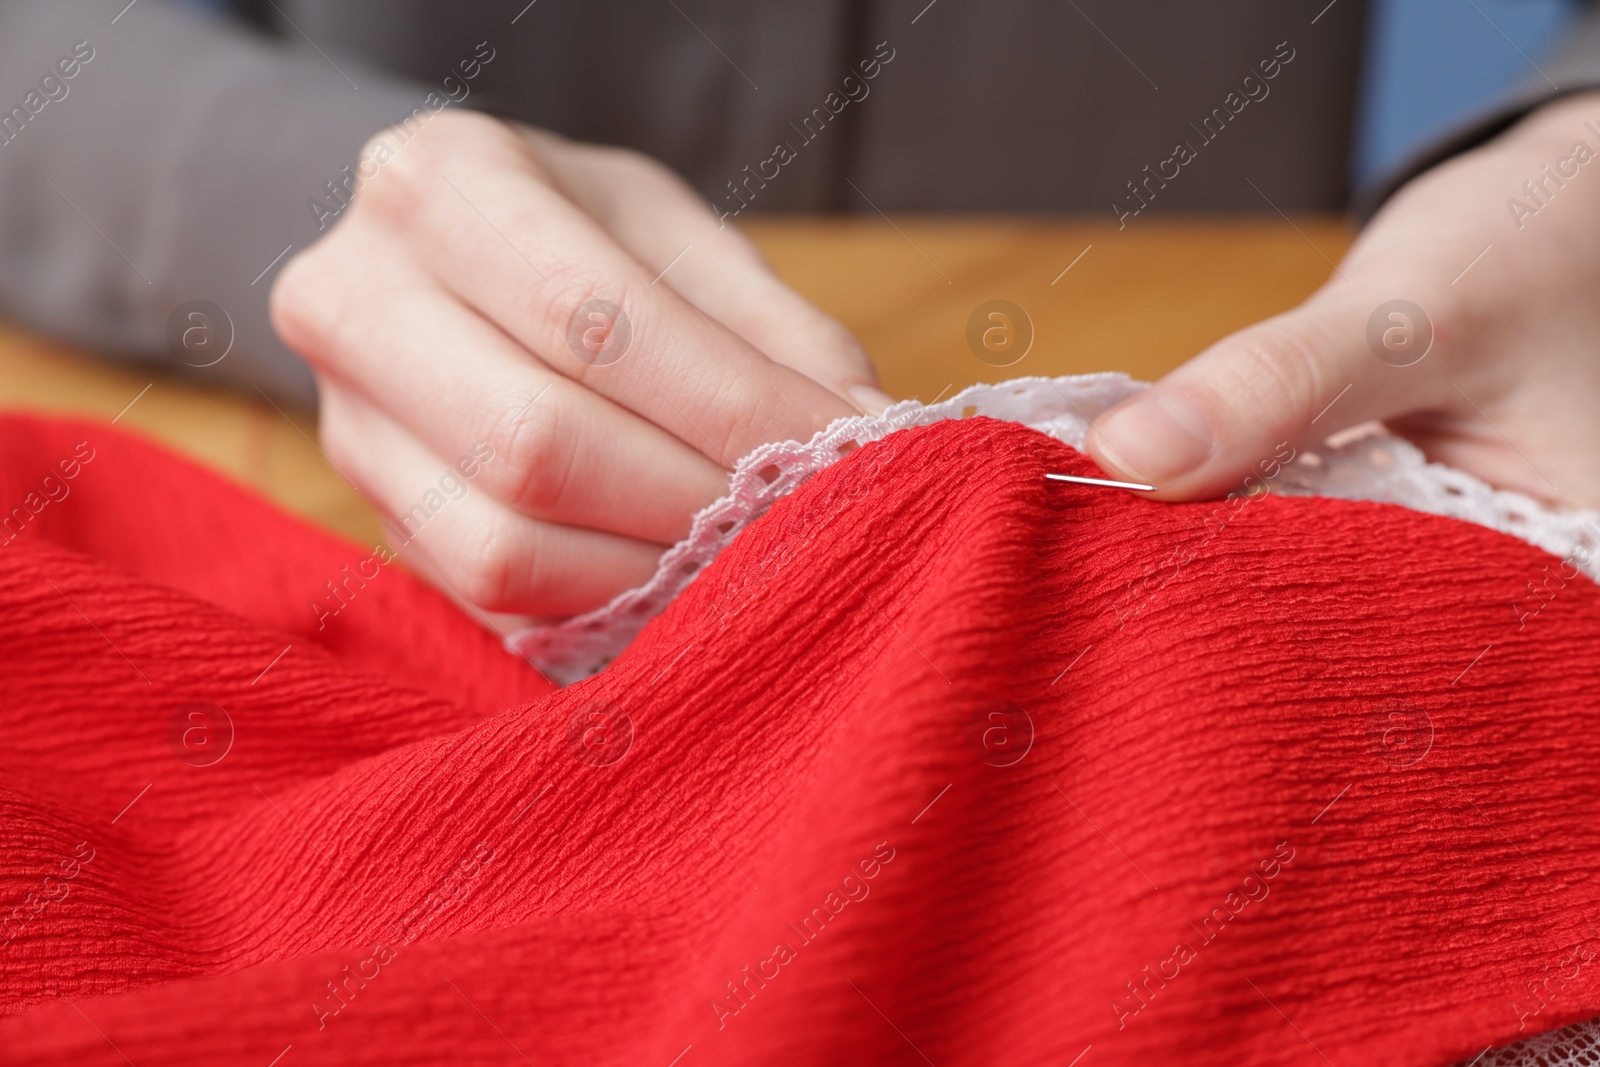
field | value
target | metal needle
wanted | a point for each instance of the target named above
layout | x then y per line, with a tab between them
1081	480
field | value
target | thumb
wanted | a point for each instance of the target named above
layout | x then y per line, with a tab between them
1344	357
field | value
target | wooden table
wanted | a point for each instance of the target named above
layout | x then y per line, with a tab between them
1140	300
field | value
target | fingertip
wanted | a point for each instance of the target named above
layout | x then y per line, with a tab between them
1159	437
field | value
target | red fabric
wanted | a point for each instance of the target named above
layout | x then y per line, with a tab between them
1245	724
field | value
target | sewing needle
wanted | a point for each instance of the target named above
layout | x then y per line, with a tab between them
1081	480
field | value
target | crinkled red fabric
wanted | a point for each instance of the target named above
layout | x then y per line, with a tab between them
1299	786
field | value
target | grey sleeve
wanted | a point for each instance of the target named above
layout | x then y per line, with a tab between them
1574	69
150	157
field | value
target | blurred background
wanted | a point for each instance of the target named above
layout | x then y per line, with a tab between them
1211	256
1429	64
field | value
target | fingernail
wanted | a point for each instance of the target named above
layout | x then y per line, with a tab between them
872	401
1160	436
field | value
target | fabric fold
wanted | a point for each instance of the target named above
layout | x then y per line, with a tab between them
901	777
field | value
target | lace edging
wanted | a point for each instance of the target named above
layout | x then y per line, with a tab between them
1373	466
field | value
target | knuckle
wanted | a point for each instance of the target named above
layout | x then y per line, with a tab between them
299	305
1276	363
557	304
538	451
403	166
495	554
380	143
397	186
394	167
338	442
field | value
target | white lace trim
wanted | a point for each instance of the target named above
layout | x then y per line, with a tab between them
1370	465
579	647
1373	466
1577	1045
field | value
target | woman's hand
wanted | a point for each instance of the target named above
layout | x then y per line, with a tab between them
468	298
1510	387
